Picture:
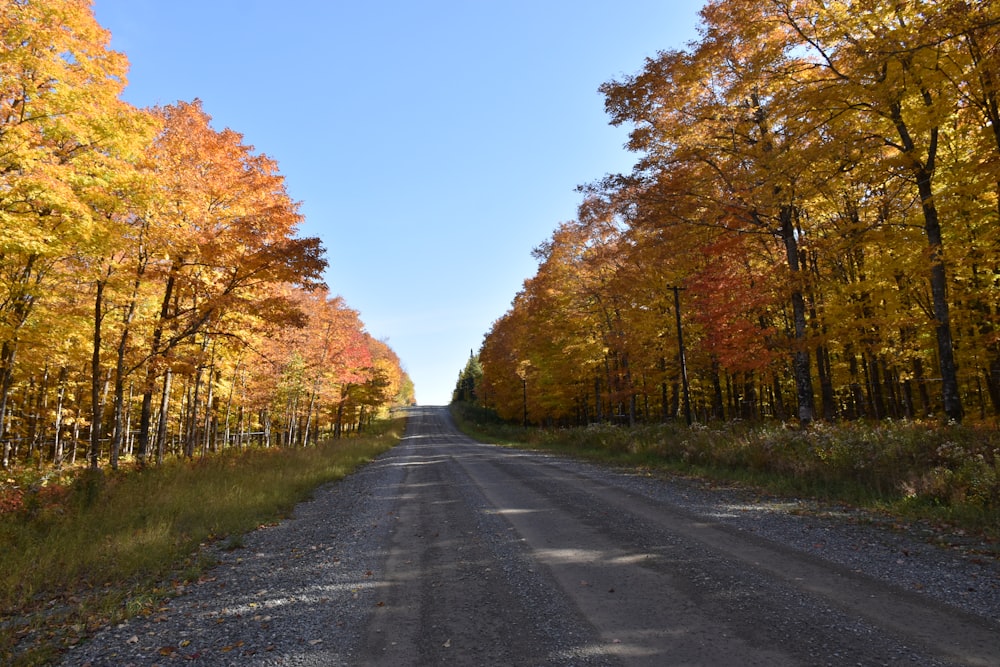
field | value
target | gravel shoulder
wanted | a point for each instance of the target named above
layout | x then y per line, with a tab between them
444	551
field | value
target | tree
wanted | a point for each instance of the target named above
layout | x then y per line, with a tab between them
59	109
469	379
878	68
725	117
231	235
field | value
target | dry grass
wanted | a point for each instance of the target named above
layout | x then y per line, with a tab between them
92	548
917	470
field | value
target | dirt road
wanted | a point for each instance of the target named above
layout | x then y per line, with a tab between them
502	557
449	552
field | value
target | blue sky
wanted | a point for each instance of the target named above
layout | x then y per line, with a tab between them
432	144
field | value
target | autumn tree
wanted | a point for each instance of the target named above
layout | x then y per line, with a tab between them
60	118
139	246
725	117
231	227
879	66
821	178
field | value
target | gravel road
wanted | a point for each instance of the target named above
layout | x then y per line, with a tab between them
449	552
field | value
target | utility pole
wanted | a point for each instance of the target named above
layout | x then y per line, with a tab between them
681	356
522	372
524	388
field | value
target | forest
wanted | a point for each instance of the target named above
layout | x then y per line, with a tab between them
155	297
810	231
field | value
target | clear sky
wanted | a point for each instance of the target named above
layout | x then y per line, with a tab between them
431	143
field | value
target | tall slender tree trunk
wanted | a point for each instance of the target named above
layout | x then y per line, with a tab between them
128	421
76	436
161	427
800	359
95	378
718	400
229	403
120	373
939	293
923	173
8	352
208	441
339	426
57	445
39	407
310	407
145	417
195	403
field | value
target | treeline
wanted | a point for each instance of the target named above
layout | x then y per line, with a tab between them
154	295
812	217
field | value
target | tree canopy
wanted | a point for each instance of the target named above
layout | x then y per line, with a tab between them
820	182
155	295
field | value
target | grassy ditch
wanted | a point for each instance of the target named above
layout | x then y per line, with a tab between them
94	548
947	475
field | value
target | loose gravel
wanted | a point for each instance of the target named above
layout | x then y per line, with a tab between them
897	553
302	592
296	593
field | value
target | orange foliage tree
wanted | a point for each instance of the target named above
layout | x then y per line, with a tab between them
146	255
821	180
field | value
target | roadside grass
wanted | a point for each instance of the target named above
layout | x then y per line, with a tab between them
106	546
945	476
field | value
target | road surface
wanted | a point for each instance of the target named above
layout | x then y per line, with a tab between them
448	552
504	557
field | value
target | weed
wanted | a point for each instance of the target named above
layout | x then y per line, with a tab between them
102	546
234	542
919	470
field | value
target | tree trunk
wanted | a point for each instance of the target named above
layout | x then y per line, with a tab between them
8	352
939	293
76	435
718	401
145	419
229	404
95	378
993	381
923	173
57	447
161	427
120	373
207	439
119	409
128	421
800	362
310	407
